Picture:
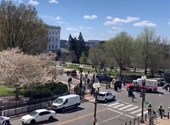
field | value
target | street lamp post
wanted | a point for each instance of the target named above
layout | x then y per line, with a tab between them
81	77
96	86
143	96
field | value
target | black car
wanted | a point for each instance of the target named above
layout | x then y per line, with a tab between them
72	73
166	86
104	78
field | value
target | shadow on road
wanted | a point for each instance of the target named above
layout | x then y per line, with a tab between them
47	122
70	110
158	92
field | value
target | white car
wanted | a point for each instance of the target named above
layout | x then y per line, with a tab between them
105	96
4	120
38	116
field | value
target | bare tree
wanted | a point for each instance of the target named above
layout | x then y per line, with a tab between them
96	57
21	27
149	50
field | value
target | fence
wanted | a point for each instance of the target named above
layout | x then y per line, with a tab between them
12	103
149	120
14	108
24	109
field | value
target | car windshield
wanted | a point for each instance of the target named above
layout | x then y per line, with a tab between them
34	113
101	94
58	101
1	118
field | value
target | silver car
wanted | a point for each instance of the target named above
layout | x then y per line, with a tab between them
4	120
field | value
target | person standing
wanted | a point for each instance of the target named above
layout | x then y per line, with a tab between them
149	109
160	111
69	84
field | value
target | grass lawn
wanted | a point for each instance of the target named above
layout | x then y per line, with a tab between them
5	91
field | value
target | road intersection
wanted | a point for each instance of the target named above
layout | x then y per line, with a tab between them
116	112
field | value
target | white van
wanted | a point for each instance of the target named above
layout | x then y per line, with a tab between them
66	102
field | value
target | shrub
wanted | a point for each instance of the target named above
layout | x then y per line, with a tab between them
41	93
60	89
46	90
26	93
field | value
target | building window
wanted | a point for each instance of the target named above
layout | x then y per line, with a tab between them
52	39
49	46
56	46
52	46
49	39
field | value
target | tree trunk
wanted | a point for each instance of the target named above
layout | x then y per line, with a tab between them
134	69
120	73
17	93
152	72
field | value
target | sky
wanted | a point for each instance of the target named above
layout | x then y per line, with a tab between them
104	19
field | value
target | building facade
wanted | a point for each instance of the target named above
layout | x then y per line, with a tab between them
53	38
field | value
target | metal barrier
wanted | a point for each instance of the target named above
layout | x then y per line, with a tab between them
135	121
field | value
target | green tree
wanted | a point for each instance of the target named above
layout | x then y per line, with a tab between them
83	58
119	49
77	47
21	27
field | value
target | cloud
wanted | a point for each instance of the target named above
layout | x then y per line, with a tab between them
18	1
109	17
90	17
120	21
72	29
79	29
58	18
144	23
117	28
169	22
53	1
34	2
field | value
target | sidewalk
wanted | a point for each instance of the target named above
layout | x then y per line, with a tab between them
163	121
87	98
159	121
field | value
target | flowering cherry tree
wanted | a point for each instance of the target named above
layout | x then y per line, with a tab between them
18	70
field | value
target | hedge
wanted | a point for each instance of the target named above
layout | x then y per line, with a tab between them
45	90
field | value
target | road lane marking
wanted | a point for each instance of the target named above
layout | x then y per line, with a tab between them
141	114
132	108
136	111
125	107
118	106
109	119
120	113
77	118
116	103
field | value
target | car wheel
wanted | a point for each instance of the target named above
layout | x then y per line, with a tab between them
150	90
50	118
7	123
113	98
76	106
63	109
105	100
32	122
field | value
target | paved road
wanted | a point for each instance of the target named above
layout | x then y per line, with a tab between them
154	98
117	112
84	116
